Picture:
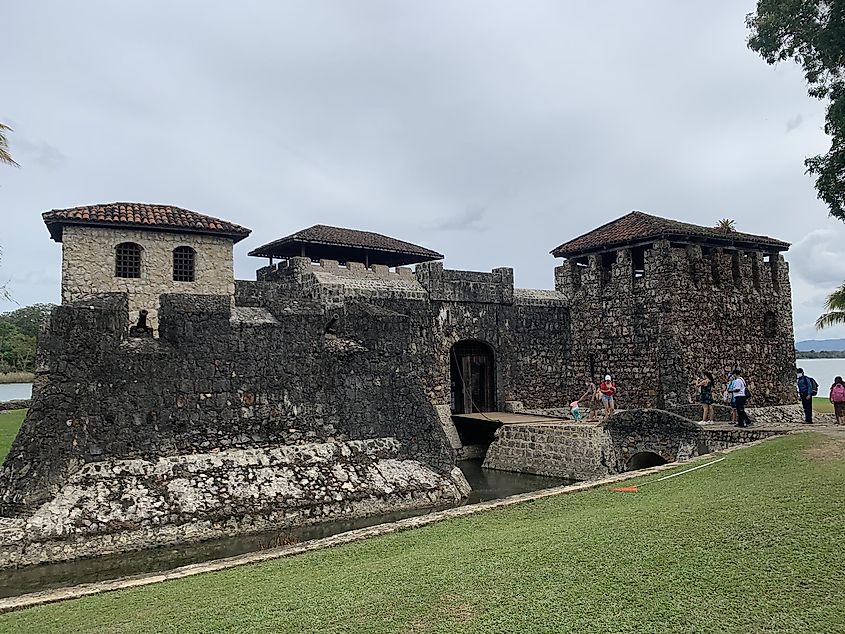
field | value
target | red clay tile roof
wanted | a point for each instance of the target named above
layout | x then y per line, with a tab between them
141	216
336	243
641	227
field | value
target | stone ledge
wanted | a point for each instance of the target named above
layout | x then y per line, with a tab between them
88	589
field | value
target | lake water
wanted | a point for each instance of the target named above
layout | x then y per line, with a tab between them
15	391
823	371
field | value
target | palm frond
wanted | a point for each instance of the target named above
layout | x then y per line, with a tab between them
836	300
828	320
5	157
727	225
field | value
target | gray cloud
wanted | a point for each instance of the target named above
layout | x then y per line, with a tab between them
470	219
524	123
794	123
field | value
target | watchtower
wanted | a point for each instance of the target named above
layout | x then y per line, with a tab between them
656	301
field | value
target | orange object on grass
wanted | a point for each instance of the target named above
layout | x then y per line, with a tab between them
626	489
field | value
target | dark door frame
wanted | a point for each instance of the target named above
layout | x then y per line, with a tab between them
472	368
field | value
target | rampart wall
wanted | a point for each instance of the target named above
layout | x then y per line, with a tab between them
211	382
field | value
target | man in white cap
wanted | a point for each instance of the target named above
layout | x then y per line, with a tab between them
608	394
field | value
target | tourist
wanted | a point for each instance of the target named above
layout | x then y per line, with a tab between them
739	389
593	398
705	384
608	395
575	410
807	388
837	397
728	395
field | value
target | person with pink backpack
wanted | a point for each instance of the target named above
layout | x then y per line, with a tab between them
837	397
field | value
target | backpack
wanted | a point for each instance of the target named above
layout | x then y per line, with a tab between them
814	387
837	393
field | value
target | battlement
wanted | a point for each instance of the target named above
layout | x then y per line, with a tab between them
664	265
442	284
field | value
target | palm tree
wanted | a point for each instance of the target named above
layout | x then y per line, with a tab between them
5	157
727	225
835	306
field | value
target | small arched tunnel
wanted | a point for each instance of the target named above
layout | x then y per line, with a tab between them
644	460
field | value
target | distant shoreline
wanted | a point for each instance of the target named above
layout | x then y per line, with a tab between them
17	377
820	354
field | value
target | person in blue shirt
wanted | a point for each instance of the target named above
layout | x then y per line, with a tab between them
805	389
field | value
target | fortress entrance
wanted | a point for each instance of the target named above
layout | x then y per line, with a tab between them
473	367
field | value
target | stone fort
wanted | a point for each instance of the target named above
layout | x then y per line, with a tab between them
175	403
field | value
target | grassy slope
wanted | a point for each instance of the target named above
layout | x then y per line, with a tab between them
750	544
10	422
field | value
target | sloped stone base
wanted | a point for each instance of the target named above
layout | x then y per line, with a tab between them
122	505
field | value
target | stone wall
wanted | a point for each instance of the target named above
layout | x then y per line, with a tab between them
686	310
88	266
117	505
217	381
573	451
22	403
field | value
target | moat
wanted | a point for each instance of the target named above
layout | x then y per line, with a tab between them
486	484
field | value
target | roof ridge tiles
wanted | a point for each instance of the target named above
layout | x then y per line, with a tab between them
141	215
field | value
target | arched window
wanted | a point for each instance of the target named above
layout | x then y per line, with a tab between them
183	264
127	260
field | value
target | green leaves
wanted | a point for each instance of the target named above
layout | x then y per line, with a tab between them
835	305
18	332
811	33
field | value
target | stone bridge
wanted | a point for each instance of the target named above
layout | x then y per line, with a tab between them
647	437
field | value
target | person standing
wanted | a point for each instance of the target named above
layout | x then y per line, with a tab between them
837	397
592	396
805	390
608	395
705	385
729	397
739	390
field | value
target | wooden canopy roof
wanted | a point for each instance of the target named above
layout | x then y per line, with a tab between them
346	245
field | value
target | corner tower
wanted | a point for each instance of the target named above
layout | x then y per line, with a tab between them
656	301
143	250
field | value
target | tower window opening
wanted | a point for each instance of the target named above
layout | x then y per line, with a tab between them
638	262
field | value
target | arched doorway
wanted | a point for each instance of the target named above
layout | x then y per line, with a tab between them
473	377
644	460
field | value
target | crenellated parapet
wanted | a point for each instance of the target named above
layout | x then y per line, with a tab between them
442	284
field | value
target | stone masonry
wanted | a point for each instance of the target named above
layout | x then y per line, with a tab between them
88	266
257	398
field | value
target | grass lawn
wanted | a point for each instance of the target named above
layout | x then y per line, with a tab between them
822	405
10	423
752	544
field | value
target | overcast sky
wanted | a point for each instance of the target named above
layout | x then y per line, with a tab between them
490	131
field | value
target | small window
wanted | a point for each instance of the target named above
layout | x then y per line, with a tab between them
638	262
183	264
607	260
770	325
127	260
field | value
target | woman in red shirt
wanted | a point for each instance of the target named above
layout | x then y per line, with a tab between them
608	394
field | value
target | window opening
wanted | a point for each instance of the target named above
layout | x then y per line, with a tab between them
638	262
184	264
127	260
